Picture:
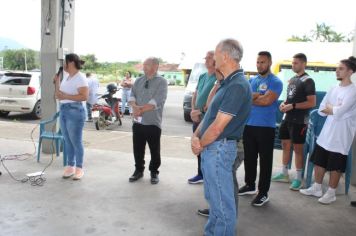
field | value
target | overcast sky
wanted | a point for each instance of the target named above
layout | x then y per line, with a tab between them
122	30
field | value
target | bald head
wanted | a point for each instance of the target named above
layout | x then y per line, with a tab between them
150	67
210	62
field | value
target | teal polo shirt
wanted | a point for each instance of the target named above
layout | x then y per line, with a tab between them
205	84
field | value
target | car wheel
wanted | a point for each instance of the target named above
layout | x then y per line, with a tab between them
36	112
187	117
4	113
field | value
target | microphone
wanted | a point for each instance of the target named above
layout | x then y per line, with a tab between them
60	70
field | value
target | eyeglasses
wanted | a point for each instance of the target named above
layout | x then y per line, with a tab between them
146	84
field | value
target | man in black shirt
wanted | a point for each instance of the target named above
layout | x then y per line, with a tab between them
300	98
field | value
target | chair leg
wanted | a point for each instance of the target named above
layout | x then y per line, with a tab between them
305	157
309	176
64	154
348	172
39	149
57	148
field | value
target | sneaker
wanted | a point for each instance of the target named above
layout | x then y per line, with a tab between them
203	212
296	185
312	191
247	190
154	178
280	178
260	200
136	176
196	179
353	203
69	171
78	173
327	198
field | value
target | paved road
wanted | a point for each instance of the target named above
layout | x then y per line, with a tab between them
173	122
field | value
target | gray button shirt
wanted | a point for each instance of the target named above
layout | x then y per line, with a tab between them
154	92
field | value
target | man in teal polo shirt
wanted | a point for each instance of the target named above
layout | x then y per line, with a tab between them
205	84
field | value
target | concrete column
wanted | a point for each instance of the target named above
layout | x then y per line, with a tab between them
353	176
51	24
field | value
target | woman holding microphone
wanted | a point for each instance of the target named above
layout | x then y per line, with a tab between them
71	92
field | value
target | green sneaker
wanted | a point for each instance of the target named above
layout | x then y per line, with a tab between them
280	178
296	185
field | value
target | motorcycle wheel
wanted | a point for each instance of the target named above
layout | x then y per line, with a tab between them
100	124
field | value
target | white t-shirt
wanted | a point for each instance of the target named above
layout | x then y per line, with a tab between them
70	85
93	84
339	129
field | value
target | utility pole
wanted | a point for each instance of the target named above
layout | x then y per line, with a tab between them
25	62
353	177
57	38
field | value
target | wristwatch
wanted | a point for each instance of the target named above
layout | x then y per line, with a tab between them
293	106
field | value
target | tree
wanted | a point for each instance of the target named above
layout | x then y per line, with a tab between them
322	33
20	59
90	62
296	38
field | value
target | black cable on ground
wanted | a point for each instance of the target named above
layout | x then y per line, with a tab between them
33	180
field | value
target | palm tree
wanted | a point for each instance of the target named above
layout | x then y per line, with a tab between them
323	32
338	37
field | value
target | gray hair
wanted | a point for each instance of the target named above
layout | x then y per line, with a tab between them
233	48
153	60
211	52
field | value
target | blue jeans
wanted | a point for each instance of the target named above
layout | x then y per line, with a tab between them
124	99
217	163
72	117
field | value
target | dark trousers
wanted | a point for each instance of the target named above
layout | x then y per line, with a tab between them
152	135
89	107
195	126
258	141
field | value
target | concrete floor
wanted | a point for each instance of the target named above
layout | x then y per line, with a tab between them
105	203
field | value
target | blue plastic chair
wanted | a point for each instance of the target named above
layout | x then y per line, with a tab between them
57	137
316	123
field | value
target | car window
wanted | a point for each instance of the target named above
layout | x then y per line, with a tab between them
14	81
199	68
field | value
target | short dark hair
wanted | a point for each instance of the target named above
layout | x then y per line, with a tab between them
301	56
72	57
265	53
350	63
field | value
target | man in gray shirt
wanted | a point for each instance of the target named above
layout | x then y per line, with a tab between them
147	99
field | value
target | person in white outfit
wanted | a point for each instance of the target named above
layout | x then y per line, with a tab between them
337	134
93	84
126	84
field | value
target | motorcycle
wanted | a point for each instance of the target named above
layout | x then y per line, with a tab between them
102	113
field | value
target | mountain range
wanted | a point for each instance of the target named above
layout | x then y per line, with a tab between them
6	43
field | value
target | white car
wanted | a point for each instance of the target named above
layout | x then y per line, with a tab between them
20	92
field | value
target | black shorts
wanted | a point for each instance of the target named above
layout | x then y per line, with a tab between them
295	132
331	161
